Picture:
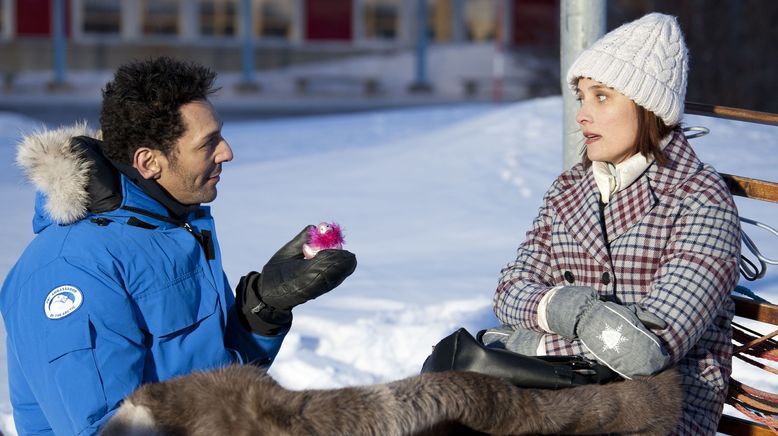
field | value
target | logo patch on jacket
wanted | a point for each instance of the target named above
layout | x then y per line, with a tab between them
62	301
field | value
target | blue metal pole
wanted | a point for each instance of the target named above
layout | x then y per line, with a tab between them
58	21
248	44
421	84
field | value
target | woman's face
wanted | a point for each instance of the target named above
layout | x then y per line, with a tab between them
608	121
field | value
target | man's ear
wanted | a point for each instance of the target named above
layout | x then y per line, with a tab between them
148	162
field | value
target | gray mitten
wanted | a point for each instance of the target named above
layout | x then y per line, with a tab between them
518	340
647	318
567	305
616	335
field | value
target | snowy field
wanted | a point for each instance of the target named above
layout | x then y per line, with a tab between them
432	201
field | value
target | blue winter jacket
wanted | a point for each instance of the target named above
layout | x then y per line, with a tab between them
100	305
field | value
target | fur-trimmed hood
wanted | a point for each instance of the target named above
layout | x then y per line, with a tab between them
74	179
60	170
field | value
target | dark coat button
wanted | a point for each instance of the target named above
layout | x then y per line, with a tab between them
606	278
569	277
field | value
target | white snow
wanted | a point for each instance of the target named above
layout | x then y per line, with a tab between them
433	202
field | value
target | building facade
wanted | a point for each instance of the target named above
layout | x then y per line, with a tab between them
107	31
291	21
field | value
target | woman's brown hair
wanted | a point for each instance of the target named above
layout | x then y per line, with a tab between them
651	131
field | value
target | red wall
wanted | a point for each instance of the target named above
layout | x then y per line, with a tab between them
536	22
33	17
328	20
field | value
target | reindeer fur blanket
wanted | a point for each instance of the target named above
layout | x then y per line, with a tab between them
244	400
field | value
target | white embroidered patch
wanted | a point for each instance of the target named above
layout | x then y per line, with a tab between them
62	301
612	338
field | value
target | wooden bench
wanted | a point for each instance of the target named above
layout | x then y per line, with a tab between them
759	406
334	83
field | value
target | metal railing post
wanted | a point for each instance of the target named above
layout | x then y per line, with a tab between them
421	84
247	54
58	39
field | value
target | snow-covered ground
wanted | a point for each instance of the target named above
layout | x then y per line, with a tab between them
433	202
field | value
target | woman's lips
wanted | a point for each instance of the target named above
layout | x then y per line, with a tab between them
591	138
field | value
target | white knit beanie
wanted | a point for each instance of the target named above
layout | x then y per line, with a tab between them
646	60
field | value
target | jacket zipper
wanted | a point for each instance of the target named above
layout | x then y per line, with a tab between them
203	238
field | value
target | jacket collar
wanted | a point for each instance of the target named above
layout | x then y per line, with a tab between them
632	204
681	164
576	202
170	207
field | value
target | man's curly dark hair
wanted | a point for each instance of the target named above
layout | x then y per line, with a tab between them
141	105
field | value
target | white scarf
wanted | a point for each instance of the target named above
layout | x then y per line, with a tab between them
611	178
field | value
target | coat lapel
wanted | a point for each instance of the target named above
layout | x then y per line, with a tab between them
578	209
629	206
682	164
577	203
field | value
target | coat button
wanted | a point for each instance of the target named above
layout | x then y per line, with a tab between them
569	277
606	278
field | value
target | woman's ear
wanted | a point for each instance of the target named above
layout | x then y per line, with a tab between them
147	162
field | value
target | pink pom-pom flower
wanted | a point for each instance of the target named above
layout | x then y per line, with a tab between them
324	236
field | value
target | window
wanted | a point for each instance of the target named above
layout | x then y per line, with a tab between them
218	17
273	18
102	16
380	18
438	19
160	17
480	20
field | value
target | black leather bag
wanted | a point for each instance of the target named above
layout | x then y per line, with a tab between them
460	351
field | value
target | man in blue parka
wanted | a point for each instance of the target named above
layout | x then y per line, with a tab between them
123	284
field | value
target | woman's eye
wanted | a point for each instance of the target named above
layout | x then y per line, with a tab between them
601	98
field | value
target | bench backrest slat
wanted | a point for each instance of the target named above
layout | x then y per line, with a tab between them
751	188
764	312
731	113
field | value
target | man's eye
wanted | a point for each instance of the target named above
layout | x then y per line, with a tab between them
601	98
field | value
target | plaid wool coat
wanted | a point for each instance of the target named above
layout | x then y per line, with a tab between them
672	247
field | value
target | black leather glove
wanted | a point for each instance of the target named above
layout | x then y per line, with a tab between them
265	300
253	313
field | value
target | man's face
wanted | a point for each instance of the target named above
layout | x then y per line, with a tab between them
191	171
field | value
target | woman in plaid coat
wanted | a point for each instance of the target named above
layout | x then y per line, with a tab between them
634	252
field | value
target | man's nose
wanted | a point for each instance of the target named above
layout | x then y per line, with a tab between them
225	152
